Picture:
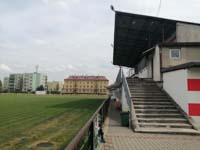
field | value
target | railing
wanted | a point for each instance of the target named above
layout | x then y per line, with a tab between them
126	90
123	93
87	137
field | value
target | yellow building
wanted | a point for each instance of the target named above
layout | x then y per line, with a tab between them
85	85
55	86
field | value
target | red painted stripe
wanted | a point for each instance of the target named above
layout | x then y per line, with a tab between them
194	109
193	84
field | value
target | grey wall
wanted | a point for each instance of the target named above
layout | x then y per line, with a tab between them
187	32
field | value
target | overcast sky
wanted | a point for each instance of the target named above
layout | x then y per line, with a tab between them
71	37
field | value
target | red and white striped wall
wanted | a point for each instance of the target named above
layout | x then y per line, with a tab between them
184	87
193	88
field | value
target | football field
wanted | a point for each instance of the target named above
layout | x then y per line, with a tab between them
29	121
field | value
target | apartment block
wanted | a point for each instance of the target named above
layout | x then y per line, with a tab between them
15	82
32	80
85	85
27	82
55	86
6	84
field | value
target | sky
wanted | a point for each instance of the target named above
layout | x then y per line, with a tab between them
72	37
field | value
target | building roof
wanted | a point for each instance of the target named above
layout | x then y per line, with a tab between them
103	78
136	33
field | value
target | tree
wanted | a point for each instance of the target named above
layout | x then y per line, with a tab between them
40	88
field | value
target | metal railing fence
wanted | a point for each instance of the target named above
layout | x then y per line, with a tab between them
86	139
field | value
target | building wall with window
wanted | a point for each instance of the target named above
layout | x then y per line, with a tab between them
33	80
15	82
85	85
186	54
6	84
39	79
27	82
55	86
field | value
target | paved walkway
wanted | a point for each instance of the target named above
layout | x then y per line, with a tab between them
122	138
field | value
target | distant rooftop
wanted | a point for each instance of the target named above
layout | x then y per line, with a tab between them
87	78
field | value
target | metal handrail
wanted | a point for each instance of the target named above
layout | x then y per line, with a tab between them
79	136
127	91
133	120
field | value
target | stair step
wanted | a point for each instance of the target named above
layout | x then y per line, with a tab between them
148	93
160	115
151	103
168	125
154	106
149	96
151	99
162	120
143	86
167	130
145	92
155	110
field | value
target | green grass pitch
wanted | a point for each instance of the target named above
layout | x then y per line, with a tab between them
27	120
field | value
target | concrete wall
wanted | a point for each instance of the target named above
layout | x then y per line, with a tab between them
152	68
146	72
188	54
143	73
183	86
175	84
187	33
156	64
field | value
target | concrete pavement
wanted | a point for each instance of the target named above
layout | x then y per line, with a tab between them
123	138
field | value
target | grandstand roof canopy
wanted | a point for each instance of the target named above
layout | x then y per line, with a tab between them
135	34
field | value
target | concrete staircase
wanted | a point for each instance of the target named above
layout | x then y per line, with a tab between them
154	110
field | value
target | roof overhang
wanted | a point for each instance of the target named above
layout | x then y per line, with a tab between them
135	34
182	66
181	44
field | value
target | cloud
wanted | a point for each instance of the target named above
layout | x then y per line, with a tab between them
5	67
39	41
71	67
45	1
60	3
71	36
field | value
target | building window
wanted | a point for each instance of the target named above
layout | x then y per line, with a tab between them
175	53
